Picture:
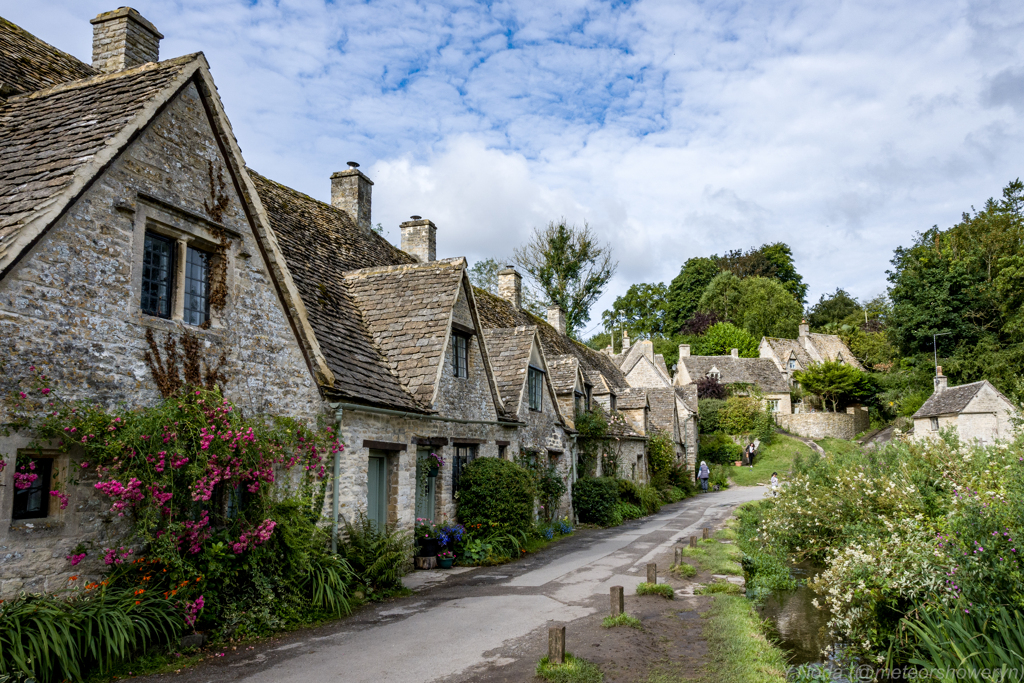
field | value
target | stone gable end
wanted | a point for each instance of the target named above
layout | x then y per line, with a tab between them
465	397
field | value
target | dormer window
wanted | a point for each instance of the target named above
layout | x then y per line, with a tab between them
715	374
460	359
580	403
792	363
170	291
535	386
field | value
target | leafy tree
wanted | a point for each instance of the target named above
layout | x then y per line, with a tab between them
722	297
699	322
641	310
774	261
760	305
722	338
836	383
710	387
832	308
686	289
570	266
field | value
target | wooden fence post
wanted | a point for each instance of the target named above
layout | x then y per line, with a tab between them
556	645
679	554
618	601
693	541
652	572
707	533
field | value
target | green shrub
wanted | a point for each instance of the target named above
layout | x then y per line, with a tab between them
626	511
764	428
739	414
650	500
496	490
709	409
682	478
662	589
594	500
684	570
629	492
718	448
574	670
661	452
377	556
719	477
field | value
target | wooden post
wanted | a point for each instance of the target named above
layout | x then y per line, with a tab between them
652	572
693	541
556	645
618	601
679	555
707	533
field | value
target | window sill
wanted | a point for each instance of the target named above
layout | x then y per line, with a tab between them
214	333
38	525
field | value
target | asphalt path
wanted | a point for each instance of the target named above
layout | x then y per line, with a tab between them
463	622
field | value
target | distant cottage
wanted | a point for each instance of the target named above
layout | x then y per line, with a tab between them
977	412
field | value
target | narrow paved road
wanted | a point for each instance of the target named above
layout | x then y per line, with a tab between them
462	624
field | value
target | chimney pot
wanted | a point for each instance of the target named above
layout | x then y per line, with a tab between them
352	164
510	287
416	218
684	350
352	192
123	39
625	340
735	353
419	239
556	318
805	329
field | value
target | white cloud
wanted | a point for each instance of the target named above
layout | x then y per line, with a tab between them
674	128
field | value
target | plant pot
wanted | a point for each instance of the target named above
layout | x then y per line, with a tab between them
433	472
428	547
738	463
445	563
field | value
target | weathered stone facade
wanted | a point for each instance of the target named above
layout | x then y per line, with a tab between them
978	412
845	425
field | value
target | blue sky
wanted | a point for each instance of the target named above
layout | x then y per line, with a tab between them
675	129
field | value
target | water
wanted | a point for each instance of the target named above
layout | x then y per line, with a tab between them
800	625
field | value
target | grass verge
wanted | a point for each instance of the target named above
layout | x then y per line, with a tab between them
662	589
684	570
738	650
717	557
718	587
575	670
838	446
766	568
621	620
778	457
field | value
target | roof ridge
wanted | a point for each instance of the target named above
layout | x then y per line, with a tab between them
104	77
379	270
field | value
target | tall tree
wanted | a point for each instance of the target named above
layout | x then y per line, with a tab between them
641	311
832	308
773	261
760	305
570	266
686	289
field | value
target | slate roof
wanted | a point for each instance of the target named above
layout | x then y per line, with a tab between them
659	362
824	347
320	243
509	353
831	347
496	312
562	373
784	349
663	409
950	400
630	398
688	395
761	372
27	63
599	383
49	135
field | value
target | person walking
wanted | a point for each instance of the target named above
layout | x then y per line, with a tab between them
775	483
703	475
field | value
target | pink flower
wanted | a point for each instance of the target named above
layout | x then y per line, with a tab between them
45	390
63	498
75	559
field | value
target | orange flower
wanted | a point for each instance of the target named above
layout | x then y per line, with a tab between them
138	602
73	578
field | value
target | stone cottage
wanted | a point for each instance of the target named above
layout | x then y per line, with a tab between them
792	355
125	210
745	374
978	413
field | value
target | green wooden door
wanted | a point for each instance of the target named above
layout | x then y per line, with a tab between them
425	486
377	489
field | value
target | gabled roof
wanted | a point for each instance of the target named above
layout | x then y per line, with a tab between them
761	372
509	351
688	395
659	362
53	142
784	349
407	311
27	63
630	398
663	409
953	400
562	371
820	348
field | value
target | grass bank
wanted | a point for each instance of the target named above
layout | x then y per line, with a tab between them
777	457
738	649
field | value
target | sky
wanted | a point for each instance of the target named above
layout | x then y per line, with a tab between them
673	128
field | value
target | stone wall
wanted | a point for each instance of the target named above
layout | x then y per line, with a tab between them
72	307
821	425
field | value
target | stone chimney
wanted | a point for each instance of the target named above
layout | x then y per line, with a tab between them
122	39
625	340
805	329
419	239
684	350
556	318
510	286
735	353
941	383
350	192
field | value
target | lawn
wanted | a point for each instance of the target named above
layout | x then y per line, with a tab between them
716	557
838	446
778	457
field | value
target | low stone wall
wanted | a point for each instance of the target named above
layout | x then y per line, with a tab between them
821	425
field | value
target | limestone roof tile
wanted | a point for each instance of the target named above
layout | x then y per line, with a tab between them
688	395
951	400
509	353
761	372
630	398
27	63
663	408
562	373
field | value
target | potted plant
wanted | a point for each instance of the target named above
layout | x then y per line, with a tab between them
434	464
445	559
426	537
448	534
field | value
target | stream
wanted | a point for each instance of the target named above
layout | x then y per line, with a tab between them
800	625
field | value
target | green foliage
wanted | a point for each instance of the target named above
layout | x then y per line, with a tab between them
765	566
739	415
662	589
722	338
738	649
718	449
832	309
661	455
778	456
709	410
641	311
378	556
484	275
760	305
771	261
954	638
574	670
496	490
718	587
621	620
64	636
570	266
685	570
548	482
594	500
685	291
719	476
592	427
626	511
836	383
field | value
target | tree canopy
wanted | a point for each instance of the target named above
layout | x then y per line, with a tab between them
832	309
836	383
685	291
570	266
760	305
641	310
